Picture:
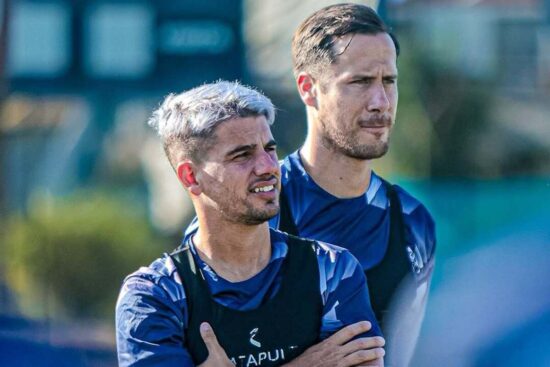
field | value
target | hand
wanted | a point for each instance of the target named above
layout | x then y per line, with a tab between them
216	355
339	351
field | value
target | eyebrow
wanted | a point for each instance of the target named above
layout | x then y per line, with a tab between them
370	77
248	147
240	148
271	143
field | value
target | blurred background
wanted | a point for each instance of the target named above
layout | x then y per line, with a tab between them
86	195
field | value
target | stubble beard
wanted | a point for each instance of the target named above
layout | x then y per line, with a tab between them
254	216
347	144
249	216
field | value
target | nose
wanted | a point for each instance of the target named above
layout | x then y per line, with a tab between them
378	100
267	164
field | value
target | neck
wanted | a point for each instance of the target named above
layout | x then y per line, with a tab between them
235	251
334	172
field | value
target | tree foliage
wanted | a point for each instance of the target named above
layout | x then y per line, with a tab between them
69	256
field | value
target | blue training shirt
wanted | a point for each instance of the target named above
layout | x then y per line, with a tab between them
360	224
151	312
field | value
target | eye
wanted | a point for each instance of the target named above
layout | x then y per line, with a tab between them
390	80
360	81
241	156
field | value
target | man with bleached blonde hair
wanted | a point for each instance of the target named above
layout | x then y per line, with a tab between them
237	292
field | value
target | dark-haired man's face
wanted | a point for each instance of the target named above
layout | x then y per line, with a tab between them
357	96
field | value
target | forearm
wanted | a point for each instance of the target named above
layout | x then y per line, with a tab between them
341	349
318	360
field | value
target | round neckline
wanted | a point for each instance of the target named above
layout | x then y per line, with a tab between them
243	283
374	182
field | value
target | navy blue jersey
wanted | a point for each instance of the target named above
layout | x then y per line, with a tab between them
152	311
359	224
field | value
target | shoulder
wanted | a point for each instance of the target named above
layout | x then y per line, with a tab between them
339	271
329	253
419	222
151	313
336	265
331	258
156	284
411	205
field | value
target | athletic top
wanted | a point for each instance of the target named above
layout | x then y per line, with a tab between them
152	312
359	224
277	331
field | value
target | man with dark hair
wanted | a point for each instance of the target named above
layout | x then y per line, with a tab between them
269	297
346	73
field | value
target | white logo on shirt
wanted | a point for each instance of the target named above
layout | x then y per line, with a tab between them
255	343
261	357
415	259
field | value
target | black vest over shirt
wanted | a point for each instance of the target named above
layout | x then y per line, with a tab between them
277	331
384	278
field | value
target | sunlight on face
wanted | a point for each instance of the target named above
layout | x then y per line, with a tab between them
358	97
239	176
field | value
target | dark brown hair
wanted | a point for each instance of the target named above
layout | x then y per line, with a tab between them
312	44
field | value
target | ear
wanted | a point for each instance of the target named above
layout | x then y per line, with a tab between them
186	174
307	89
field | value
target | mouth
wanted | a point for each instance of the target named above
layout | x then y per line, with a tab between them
375	123
265	186
263	189
376	130
376	127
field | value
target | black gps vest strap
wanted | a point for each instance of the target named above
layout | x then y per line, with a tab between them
277	331
384	279
286	220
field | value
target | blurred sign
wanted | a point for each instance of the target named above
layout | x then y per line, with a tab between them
184	37
130	46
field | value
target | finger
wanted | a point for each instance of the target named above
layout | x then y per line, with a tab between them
210	339
363	356
363	343
349	332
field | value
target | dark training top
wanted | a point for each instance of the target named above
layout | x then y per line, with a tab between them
386	229
154	316
277	331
